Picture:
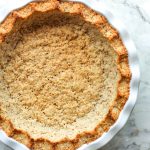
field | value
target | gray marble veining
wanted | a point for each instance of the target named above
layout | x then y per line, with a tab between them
136	133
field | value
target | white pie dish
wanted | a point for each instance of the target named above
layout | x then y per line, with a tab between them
133	61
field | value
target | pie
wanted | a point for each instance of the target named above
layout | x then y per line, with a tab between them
64	75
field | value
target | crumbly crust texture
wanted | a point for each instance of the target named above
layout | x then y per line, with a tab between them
12	24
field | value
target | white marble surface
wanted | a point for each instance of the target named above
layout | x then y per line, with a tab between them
136	134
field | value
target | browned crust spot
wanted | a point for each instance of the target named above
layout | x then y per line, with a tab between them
85	138
41	144
69	145
110	33
22	137
6	125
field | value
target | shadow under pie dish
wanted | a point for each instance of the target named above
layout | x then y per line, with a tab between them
64	75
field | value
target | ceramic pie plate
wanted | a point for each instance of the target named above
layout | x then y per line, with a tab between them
133	63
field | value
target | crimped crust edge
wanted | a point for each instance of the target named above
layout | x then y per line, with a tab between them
123	85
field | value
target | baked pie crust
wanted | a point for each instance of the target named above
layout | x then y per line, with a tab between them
64	75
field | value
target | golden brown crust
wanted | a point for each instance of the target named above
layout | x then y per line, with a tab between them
69	145
22	137
6	125
85	138
41	144
111	34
